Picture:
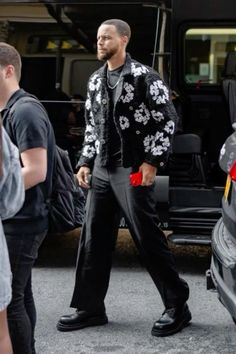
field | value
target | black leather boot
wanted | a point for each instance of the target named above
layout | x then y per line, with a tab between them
172	321
81	319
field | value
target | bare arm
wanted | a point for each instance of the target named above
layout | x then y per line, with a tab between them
34	168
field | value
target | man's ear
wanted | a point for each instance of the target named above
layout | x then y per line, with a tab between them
9	71
125	40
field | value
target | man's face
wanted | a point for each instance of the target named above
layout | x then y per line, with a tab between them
109	42
8	83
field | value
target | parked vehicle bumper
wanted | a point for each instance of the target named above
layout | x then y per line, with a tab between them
223	266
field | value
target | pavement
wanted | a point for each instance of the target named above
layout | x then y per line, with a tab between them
132	303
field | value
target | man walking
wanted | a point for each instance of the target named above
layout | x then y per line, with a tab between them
29	128
129	128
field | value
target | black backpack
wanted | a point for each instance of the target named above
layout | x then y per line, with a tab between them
66	200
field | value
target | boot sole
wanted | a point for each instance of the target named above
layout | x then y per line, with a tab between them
93	321
164	333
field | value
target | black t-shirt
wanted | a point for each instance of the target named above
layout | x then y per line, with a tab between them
29	127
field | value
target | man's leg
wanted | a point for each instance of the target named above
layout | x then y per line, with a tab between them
94	255
31	310
23	251
138	206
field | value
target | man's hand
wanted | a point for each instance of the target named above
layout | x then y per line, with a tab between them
83	177
149	172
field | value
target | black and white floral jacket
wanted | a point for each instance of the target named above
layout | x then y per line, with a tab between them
143	114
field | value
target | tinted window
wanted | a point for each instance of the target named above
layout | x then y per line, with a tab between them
205	53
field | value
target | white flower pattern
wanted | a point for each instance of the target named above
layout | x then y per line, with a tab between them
89	138
94	83
138	70
91	121
169	127
88	103
158	116
88	151
129	93
142	115
156	144
99	98
89	129
146	115
159	92
97	146
124	122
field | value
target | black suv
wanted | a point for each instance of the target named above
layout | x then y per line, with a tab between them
222	274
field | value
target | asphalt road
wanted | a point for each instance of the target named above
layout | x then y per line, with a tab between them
132	302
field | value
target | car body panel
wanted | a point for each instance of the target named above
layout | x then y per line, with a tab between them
223	262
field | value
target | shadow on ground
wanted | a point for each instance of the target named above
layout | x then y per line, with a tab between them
61	251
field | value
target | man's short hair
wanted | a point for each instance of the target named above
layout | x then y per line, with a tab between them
121	26
10	56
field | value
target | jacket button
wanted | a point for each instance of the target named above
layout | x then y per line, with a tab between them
102	120
102	141
104	101
161	163
131	108
137	132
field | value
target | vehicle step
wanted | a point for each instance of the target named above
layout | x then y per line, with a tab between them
189	239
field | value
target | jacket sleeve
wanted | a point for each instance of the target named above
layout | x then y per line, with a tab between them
11	182
90	137
163	116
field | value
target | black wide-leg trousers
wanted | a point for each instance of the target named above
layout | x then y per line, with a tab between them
111	192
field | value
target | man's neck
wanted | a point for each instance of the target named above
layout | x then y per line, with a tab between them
7	95
116	62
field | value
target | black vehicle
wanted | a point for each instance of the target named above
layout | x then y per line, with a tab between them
186	41
222	274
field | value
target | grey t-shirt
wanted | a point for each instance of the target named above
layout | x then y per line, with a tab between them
113	78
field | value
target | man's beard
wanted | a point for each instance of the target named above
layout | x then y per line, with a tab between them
106	55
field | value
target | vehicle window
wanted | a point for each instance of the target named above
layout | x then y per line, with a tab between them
205	51
80	73
50	44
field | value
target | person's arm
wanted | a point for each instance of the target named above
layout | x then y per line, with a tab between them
163	118
89	152
34	168
11	182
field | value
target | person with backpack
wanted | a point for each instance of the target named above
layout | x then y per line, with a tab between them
12	197
130	122
30	130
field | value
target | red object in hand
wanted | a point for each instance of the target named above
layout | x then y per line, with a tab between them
136	179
